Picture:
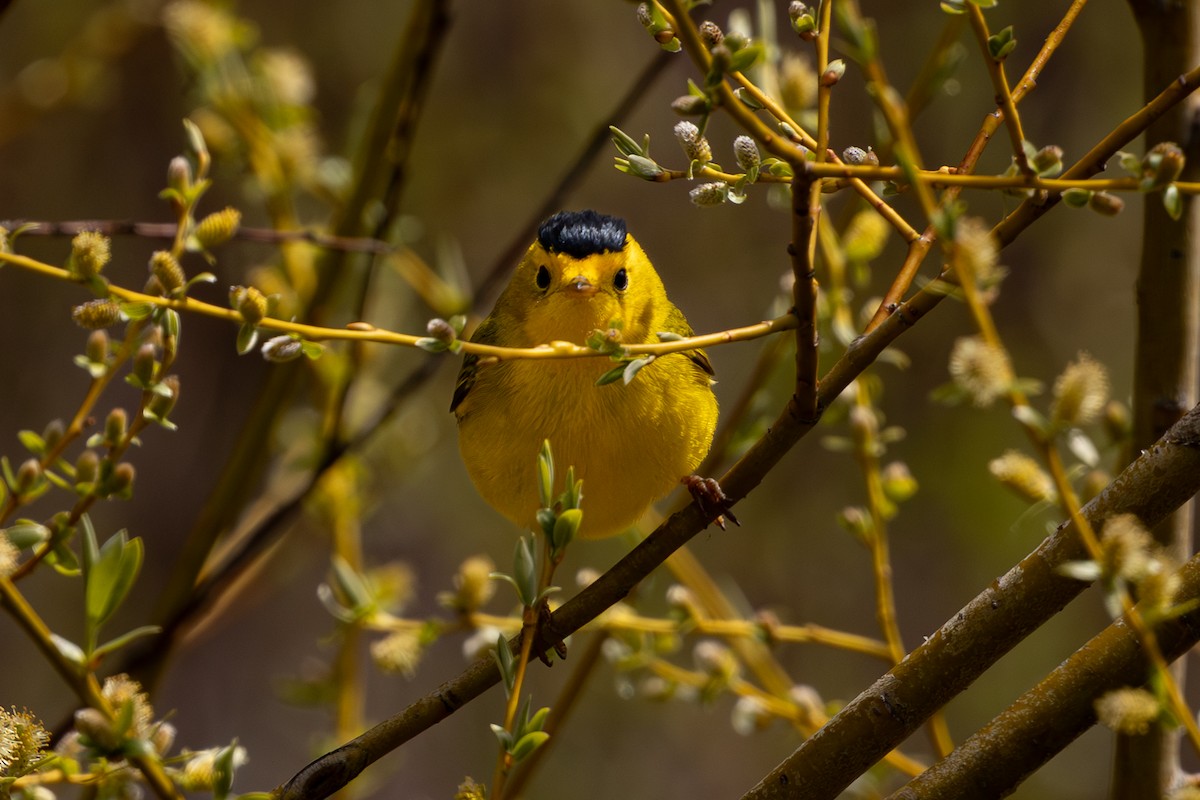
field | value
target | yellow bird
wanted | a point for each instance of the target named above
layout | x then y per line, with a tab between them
630	443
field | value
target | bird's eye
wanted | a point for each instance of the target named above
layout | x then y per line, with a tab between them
621	280
543	278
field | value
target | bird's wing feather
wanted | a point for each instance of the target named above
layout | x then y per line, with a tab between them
678	324
486	333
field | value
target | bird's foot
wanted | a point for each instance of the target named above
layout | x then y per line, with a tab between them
546	638
711	499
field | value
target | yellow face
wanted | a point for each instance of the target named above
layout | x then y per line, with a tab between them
556	296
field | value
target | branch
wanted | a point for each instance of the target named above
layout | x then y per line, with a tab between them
1047	718
1015	605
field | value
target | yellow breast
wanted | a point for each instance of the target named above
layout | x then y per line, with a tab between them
630	444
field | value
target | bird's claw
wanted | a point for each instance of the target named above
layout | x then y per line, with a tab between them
546	638
711	499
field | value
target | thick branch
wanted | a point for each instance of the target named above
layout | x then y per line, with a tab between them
1015	605
1051	715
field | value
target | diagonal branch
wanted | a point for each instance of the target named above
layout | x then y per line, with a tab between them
1047	718
1015	605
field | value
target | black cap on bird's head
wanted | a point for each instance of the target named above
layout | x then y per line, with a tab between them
582	233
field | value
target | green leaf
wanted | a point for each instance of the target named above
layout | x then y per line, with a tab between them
633	367
247	338
137	311
353	586
747	57
118	642
312	350
223	767
1076	198
502	736
109	573
32	441
525	571
626	145
69	650
545	470
1173	201
612	376
527	744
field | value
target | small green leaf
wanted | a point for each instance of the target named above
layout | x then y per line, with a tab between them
69	650
545	469
502	736
136	311
747	57
109	574
431	345
612	376
626	144
1173	201
1076	198
223	767
633	367
527	744
118	642
538	721
525	571
352	586
247	338
312	350
32	441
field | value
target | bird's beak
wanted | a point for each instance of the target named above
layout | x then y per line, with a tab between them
580	285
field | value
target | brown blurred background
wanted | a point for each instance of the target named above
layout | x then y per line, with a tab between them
518	88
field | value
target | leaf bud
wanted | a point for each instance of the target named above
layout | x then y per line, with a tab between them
179	174
644	168
87	467
115	425
160	405
96	350
90	252
120	482
1106	204
802	20
218	227
898	482
690	105
145	363
833	73
96	314
1162	165
53	433
29	474
165	267
1047	161
441	330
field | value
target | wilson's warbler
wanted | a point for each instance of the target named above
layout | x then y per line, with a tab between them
630	443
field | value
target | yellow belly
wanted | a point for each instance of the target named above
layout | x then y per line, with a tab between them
630	444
